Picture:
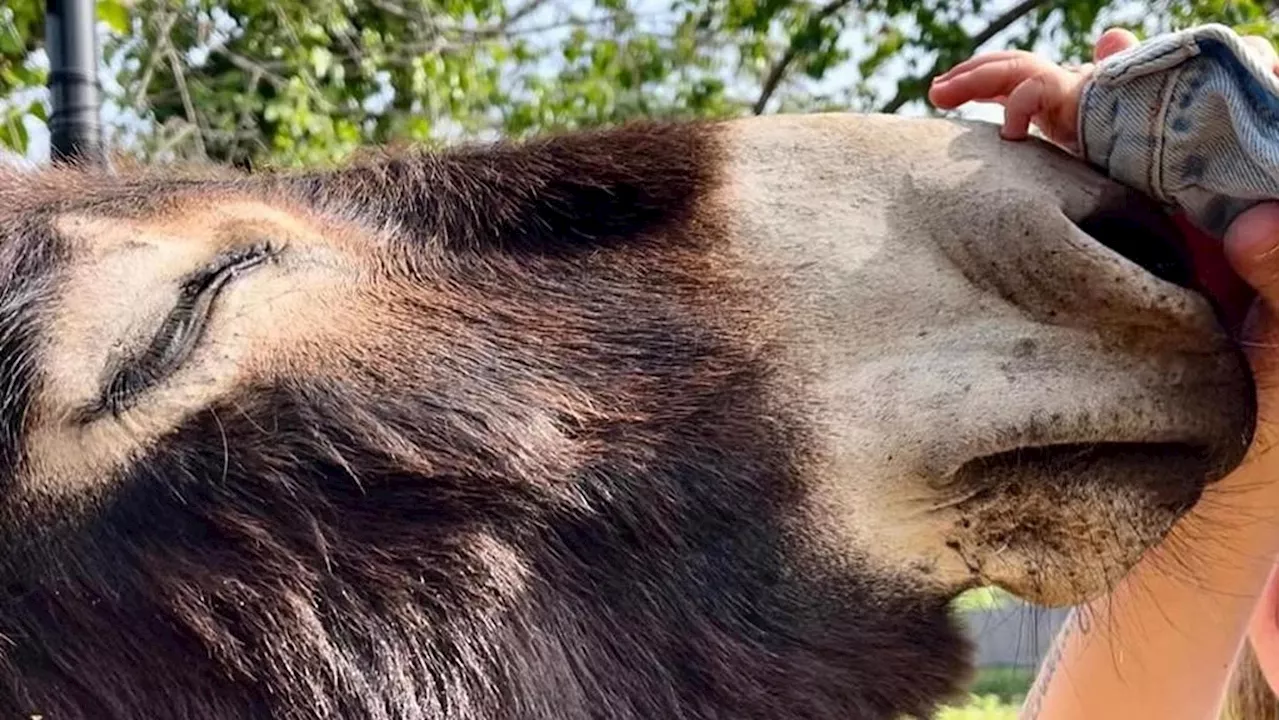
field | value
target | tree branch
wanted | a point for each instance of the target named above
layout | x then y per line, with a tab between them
160	50
521	13
779	69
187	106
254	68
169	143
390	8
1004	20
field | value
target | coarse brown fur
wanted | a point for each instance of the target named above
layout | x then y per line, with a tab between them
573	504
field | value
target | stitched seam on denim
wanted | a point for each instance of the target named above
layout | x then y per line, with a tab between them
1194	186
1113	99
1085	94
1157	133
1107	138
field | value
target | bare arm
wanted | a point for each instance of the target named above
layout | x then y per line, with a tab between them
1163	645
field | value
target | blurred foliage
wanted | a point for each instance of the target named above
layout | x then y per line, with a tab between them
981	707
983	598
307	81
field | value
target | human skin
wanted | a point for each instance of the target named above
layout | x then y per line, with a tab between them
1033	89
1164	642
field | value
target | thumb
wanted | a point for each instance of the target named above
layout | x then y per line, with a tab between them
1252	246
1113	41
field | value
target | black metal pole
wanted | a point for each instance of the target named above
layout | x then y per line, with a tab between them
72	43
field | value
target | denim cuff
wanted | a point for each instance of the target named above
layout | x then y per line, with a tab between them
1190	119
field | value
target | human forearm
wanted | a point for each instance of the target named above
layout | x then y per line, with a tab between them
1164	642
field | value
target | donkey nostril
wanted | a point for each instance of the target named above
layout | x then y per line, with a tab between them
1170	248
1145	236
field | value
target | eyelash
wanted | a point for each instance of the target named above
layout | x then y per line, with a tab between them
181	330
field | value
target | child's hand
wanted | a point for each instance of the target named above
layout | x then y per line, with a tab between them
1031	89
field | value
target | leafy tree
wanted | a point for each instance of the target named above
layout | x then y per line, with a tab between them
21	34
307	81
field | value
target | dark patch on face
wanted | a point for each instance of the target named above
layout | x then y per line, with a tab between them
25	276
547	480
572	193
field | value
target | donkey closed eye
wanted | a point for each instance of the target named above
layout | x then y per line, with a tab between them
181	331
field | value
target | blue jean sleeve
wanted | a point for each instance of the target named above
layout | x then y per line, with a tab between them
1189	118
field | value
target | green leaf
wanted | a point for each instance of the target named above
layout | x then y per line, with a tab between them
115	15
294	81
13	132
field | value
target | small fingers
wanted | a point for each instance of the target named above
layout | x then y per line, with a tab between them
989	80
982	59
1025	102
1051	101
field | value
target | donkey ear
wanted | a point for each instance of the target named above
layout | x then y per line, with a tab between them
552	195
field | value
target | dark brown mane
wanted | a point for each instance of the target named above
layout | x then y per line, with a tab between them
560	489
